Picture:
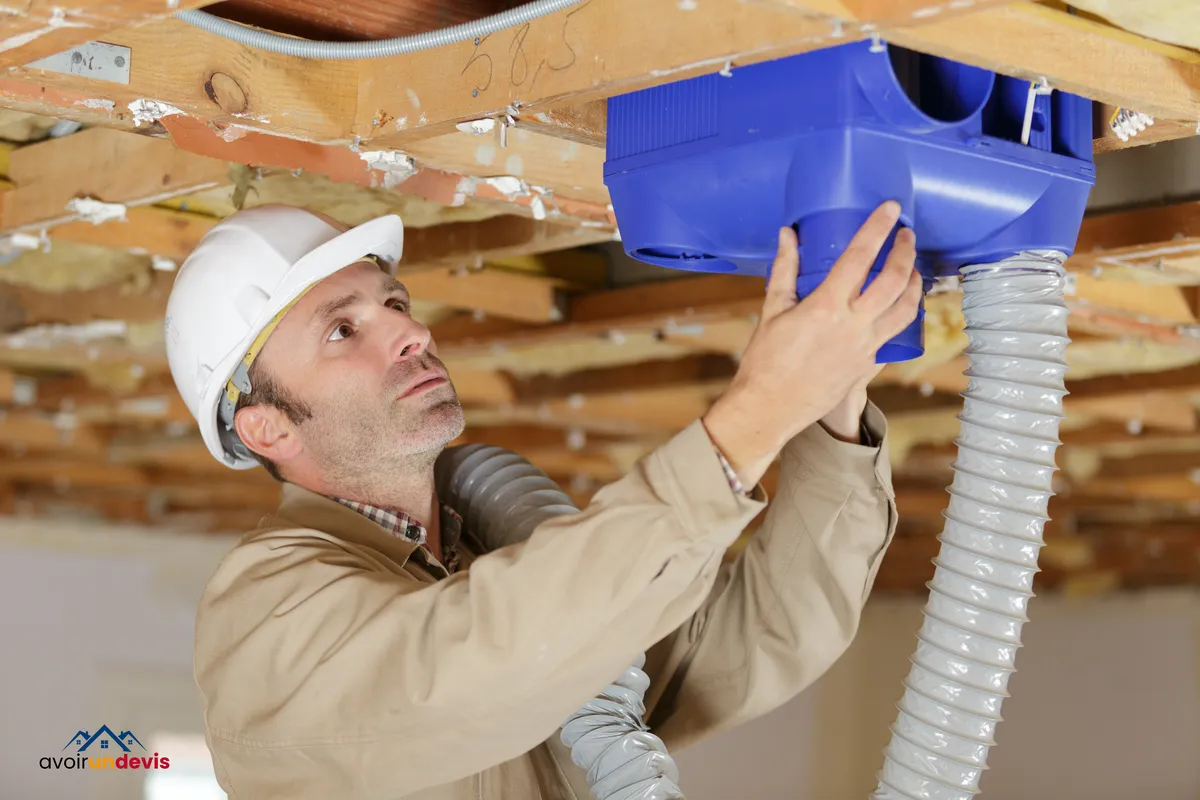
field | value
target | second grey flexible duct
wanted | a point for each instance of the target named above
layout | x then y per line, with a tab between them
980	592
306	48
502	498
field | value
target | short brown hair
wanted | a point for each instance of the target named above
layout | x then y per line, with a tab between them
266	391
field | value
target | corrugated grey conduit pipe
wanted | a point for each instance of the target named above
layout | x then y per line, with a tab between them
306	48
978	598
502	498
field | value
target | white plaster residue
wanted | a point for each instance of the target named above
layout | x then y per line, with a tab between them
96	211
477	126
402	123
395	166
839	30
25	241
423	120
687	5
58	19
151	111
537	207
105	105
231	133
925	13
514	165
485	154
24	391
412	98
956	4
50	336
256	117
162	263
154	407
508	186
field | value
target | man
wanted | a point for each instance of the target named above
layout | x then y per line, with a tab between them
355	646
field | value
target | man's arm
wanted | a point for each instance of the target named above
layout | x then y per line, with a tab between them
790	605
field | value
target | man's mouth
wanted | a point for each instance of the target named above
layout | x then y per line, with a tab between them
430	379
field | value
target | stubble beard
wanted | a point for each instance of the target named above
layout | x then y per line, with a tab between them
374	449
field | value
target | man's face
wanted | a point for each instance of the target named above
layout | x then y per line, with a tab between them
381	401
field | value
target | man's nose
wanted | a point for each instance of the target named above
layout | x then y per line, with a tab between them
410	339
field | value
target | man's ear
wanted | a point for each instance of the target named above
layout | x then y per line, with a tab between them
267	431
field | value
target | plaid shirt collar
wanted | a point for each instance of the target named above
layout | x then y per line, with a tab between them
401	525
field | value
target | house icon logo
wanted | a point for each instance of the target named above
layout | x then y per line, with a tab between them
105	739
105	749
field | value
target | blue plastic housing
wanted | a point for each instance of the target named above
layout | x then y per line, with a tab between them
703	172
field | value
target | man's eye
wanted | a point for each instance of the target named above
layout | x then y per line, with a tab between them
399	304
343	331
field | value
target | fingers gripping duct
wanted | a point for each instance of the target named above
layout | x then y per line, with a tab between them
979	595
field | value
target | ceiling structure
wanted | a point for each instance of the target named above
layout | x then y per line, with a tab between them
493	155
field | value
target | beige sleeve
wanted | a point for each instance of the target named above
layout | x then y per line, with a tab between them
790	604
322	671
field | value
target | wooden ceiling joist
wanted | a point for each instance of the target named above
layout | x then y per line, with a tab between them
38	28
592	51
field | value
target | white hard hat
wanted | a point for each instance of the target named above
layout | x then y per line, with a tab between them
233	289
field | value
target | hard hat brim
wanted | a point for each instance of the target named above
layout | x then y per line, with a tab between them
383	237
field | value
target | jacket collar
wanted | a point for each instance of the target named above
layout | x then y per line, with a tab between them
302	508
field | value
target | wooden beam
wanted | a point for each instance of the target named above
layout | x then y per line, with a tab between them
31	431
39	28
68	473
26	306
504	236
582	53
1082	56
1165	488
512	295
584	123
639	377
566	168
664	304
592	51
99	164
1184	379
1163	130
1149	238
158	231
1152	464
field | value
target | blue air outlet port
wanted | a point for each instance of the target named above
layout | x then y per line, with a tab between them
703	172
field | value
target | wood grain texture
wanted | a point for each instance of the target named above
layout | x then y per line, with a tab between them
42	28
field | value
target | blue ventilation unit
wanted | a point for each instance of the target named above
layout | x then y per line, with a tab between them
703	172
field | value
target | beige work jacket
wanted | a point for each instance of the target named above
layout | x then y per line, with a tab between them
340	663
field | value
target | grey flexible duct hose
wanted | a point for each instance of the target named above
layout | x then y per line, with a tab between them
306	48
502	498
980	592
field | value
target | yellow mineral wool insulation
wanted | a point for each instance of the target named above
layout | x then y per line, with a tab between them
1174	264
70	265
17	126
1097	357
1068	553
944	336
1172	21
347	203
1079	464
117	378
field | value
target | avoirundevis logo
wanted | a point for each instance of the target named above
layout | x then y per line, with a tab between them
105	750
